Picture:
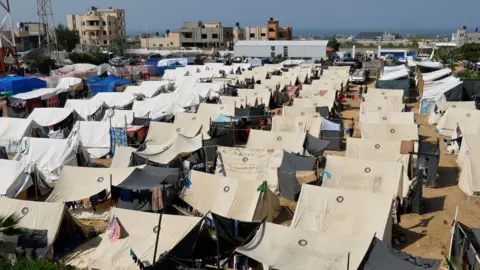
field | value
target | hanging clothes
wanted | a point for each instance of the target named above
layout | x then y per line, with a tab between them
119	137
33	103
157	199
114	230
52	102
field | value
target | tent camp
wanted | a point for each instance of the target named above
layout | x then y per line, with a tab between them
86	108
289	141
311	125
215	110
146	91
157	107
239	199
379	177
105	85
380	107
343	212
50	155
256	164
449	89
447	125
440	108
406	132
15	177
294	111
45	220
470	144
94	136
12	130
388	118
305	249
255	96
314	102
140	237
46	117
18	85
184	119
468	181
115	100
118	118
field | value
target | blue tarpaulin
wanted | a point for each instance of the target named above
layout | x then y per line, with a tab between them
18	85
161	69
107	84
173	61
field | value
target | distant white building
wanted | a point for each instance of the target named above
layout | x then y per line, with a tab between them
286	48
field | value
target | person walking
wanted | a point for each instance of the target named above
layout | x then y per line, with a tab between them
351	127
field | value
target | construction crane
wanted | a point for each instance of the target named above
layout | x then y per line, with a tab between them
8	48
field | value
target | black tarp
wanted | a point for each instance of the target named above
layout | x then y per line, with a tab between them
428	159
334	137
33	239
465	245
287	179
252	111
232	233
16	108
395	84
457	94
315	146
137	160
323	111
381	256
471	87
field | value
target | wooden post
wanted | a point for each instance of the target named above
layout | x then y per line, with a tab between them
158	227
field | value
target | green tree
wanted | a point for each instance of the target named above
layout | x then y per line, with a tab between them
334	44
28	264
468	74
66	39
9	226
277	59
118	45
444	55
94	56
43	64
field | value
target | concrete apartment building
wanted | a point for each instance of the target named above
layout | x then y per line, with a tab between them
169	40
462	37
26	35
272	31
206	35
98	27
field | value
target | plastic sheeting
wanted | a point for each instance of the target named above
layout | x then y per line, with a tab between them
15	177
46	117
395	84
95	137
18	85
107	84
12	131
85	108
435	75
394	75
115	100
118	118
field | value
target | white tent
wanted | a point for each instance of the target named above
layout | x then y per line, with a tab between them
435	75
436	93
122	157
343	212
67	82
470	145
155	85
256	164
141	238
314	102
157	107
148	91
394	75
229	197
85	108
388	69
299	111
255	96
297	124
383	92
184	120
77	183
386	99
43	93
118	118
380	177
289	141
469	180
95	137
406	132
115	99
215	110
388	118
49	155
448	123
12	130
286	248
441	107
15	178
35	216
49	116
380	107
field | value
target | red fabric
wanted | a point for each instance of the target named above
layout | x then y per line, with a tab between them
34	103
353	97
248	132
52	101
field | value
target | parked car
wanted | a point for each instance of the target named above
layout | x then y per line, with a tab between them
359	76
119	61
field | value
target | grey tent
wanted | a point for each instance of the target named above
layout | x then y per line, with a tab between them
332	130
395	84
288	183
382	256
315	146
323	111
465	245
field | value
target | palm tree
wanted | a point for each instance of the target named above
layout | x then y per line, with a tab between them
9	225
444	55
118	45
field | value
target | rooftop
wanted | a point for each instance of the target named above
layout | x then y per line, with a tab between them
369	34
282	42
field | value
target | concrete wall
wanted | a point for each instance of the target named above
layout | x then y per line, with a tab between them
293	51
205	37
172	40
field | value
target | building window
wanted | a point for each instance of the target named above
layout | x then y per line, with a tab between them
214	35
272	48
84	33
285	51
83	23
271	30
263	34
110	32
188	35
104	23
271	39
105	32
105	42
252	35
121	14
204	36
109	23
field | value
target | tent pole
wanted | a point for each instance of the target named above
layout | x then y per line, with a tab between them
111	199
158	227
453	231
348	261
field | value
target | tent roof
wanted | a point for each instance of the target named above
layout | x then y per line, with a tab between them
470	175
259	96
116	99
150	177
215	110
13	180
343	212
289	141
117	118
314	102
383	92
443	106
157	107
388	118
76	183
84	107
448	123
405	132
306	250
185	120
299	111
380	106
230	197
297	124
14	129
380	177
141	238
437	74
166	151
160	133
470	145
148	92
35	216
122	156
49	116
42	93
95	137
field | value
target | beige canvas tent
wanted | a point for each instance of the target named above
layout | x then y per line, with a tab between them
396	132
160	133
441	107
280	247
314	102
299	111
448	123
255	96
383	92
380	107
255	164
388	118
123	155
469	180
289	141
140	237
94	136
236	101
12	131
215	110
344	212
386	99
229	197
379	177
470	145
297	124
170	150
185	120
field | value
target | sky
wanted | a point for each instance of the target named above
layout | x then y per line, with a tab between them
155	15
